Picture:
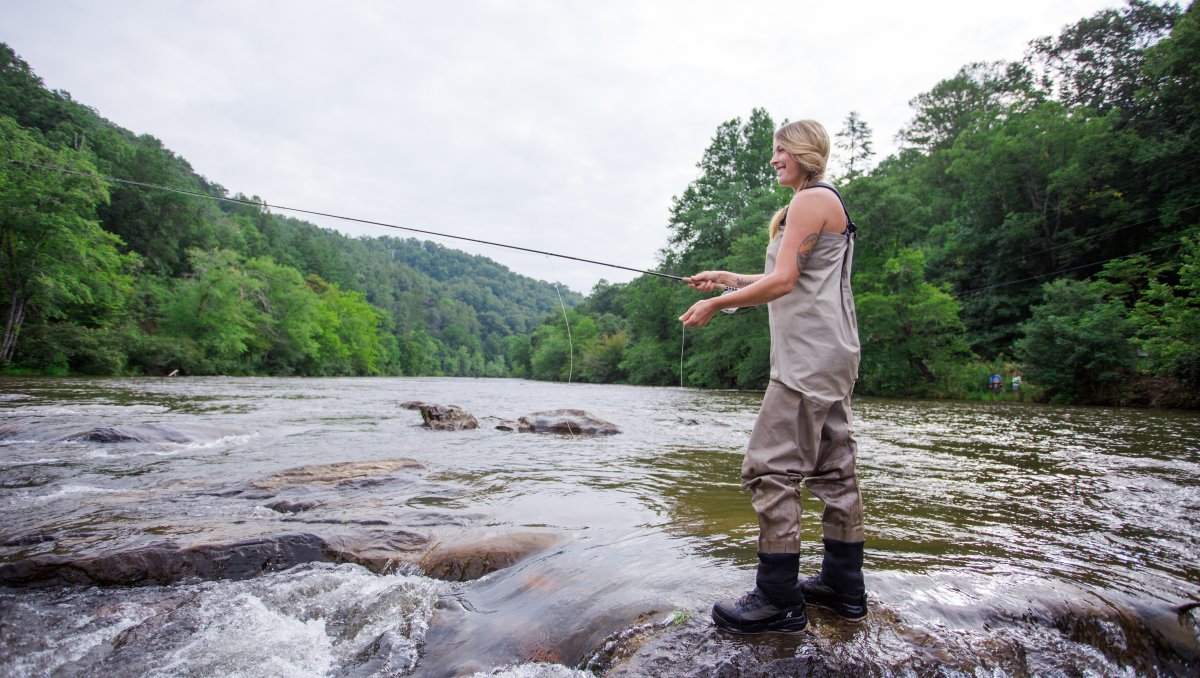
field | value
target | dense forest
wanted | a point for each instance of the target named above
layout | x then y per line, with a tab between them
1041	219
112	278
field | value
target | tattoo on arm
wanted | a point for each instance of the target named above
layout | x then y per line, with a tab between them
805	250
740	282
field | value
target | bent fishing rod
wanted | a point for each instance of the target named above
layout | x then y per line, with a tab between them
264	205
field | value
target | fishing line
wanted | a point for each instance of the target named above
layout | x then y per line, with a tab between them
682	334
299	210
570	342
264	205
1120	228
1064	270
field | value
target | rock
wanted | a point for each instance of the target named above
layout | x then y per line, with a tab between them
506	426
471	558
168	563
569	421
27	539
411	405
285	506
335	474
148	433
378	551
447	417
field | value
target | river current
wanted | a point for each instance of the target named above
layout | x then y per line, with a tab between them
313	527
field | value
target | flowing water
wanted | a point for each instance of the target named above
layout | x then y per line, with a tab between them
152	527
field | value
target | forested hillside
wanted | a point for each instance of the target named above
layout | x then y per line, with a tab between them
108	278
1041	219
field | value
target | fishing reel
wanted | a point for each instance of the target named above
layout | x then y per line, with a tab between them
735	309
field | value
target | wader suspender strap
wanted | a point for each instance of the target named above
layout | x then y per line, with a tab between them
851	229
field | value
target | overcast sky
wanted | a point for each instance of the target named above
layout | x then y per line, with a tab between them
560	125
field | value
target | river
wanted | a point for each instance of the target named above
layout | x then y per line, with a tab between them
1003	539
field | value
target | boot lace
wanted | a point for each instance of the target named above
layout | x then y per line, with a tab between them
753	599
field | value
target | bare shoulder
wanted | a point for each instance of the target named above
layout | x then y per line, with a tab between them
817	204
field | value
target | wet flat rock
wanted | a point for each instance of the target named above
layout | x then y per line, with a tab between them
566	421
336	474
472	557
168	563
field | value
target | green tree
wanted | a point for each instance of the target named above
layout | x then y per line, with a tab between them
1077	342
214	316
978	91
54	256
912	337
735	193
1097	62
855	140
363	344
1167	318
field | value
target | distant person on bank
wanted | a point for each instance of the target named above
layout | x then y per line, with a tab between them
802	434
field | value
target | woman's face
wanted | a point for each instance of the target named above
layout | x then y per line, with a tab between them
787	170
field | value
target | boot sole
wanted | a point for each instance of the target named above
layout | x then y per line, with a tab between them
790	626
855	620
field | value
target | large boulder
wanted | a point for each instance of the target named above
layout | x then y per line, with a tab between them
447	417
569	421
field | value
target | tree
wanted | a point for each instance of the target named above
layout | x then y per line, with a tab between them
1097	62
736	192
1077	342
855	140
215	316
53	252
910	329
1167	318
977	91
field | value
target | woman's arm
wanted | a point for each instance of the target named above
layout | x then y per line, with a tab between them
707	281
807	219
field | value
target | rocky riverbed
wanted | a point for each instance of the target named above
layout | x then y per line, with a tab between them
316	528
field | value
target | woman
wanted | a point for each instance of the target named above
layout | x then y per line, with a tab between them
802	433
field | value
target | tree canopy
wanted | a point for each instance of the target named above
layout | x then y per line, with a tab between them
1041	218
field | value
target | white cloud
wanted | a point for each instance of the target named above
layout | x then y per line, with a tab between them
564	126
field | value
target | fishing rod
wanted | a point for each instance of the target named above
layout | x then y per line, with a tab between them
264	205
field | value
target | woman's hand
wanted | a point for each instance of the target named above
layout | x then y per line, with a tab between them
699	314
707	281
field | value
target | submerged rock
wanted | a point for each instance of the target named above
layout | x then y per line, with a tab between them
287	506
411	405
447	417
148	433
569	421
473	557
336	474
26	539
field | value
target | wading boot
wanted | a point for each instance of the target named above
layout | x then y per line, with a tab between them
776	605
839	587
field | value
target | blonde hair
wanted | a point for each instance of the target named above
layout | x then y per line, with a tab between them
808	142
